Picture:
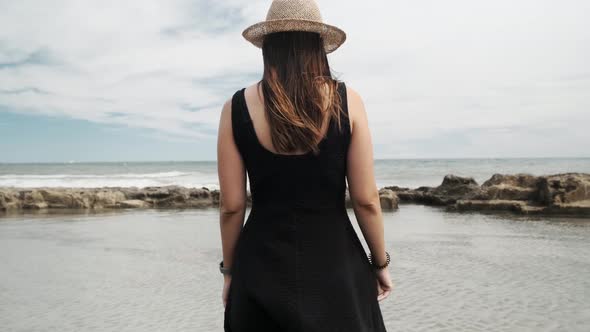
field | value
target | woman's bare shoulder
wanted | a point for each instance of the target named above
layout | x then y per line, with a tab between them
356	106
353	96
248	91
252	89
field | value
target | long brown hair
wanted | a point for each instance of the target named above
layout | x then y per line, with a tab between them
296	77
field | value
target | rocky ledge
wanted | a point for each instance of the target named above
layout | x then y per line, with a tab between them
15	199
106	198
559	194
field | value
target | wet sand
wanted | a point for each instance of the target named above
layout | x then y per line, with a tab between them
156	270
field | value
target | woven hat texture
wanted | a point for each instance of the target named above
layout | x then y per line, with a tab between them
295	15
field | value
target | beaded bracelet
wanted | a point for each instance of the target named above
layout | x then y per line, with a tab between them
380	267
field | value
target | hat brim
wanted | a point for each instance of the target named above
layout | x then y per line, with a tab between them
332	36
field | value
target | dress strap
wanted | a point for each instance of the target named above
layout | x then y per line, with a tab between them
239	120
343	96
345	121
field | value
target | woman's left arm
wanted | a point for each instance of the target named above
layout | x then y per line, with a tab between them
232	188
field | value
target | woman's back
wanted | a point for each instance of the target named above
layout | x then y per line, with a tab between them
255	107
278	179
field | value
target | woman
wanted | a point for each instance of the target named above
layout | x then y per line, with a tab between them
298	134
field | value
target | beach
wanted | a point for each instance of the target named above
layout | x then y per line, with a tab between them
131	268
155	270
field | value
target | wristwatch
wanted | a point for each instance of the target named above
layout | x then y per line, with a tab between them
224	270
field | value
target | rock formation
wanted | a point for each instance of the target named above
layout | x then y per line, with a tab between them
104	198
559	194
14	199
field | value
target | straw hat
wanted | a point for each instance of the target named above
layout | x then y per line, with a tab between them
295	15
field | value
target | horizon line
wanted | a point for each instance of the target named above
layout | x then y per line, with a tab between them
189	161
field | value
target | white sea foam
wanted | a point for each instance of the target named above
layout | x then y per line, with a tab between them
64	176
185	179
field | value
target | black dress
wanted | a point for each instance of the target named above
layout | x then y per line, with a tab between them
299	264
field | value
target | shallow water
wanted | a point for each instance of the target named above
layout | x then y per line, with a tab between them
157	271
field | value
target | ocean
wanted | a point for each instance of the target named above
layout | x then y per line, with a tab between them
401	172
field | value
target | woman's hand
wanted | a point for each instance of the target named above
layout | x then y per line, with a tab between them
384	284
225	292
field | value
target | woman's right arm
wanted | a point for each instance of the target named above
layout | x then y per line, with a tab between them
360	175
362	187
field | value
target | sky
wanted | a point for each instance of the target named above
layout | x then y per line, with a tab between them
146	80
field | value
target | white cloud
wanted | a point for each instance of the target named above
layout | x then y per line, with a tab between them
431	72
